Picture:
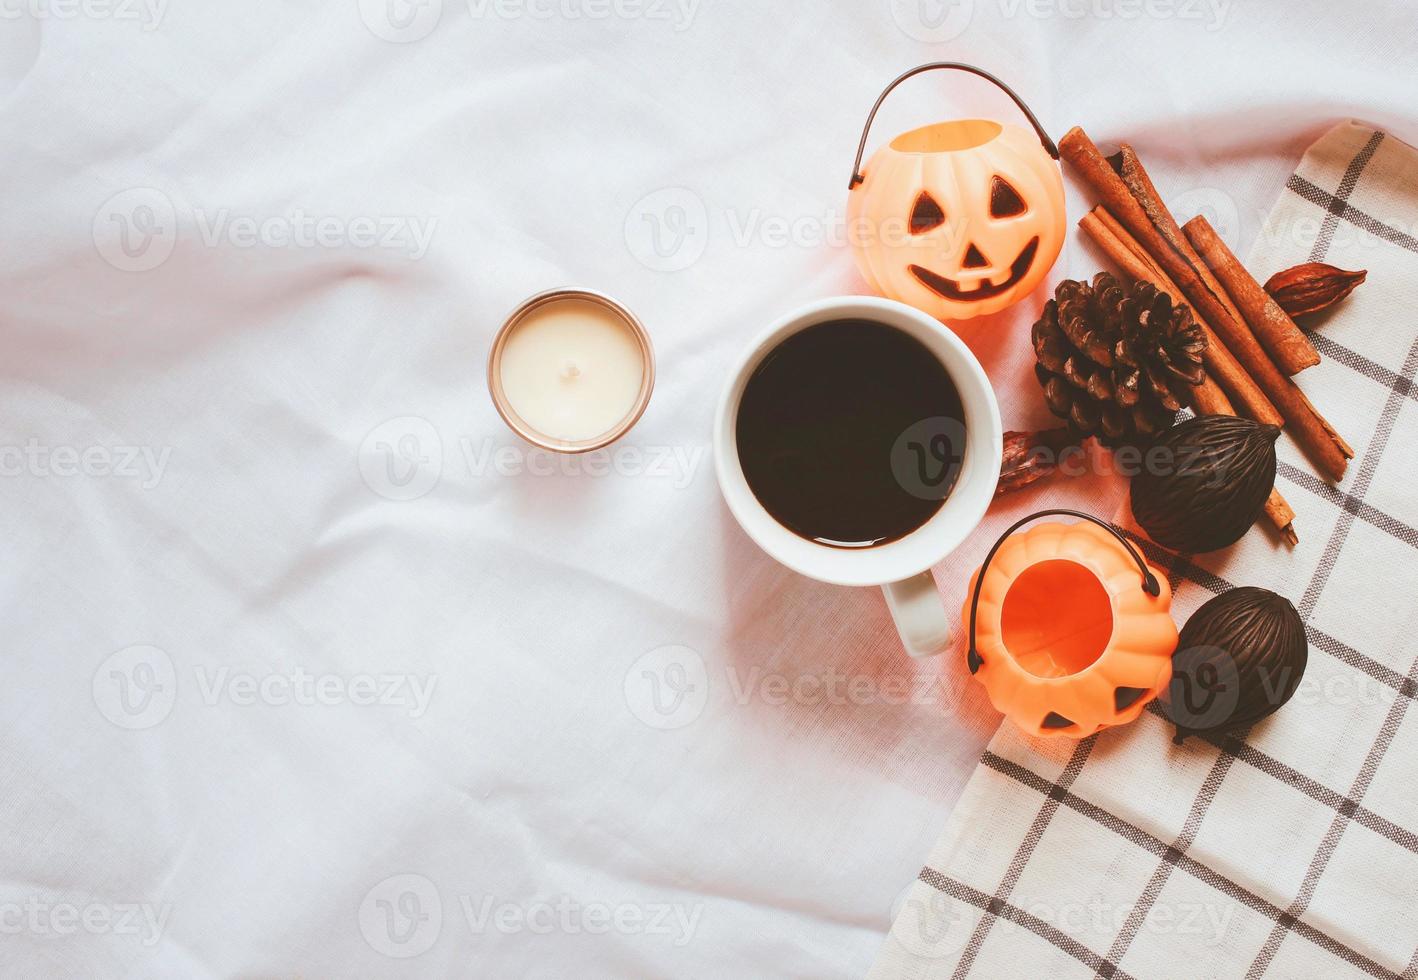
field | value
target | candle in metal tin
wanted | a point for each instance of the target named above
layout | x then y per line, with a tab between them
571	370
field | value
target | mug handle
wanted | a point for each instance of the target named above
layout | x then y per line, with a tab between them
919	613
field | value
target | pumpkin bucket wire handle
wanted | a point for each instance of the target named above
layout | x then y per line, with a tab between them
858	177
1150	585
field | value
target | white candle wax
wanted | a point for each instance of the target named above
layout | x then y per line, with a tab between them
572	369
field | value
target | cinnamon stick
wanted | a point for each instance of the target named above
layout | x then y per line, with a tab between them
1282	515
1207	398
1319	440
1172	258
1128	166
1272	326
1220	363
1211	400
1315	435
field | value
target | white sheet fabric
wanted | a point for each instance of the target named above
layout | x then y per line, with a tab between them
254	255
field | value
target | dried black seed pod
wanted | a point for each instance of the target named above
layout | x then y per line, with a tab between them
1239	659
1205	482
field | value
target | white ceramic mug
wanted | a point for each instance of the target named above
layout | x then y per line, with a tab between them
902	567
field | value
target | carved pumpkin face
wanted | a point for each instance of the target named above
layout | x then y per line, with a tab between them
959	219
1068	644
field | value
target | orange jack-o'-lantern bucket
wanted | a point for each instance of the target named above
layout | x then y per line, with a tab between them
1071	630
959	218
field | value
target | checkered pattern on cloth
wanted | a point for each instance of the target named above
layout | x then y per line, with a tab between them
1288	851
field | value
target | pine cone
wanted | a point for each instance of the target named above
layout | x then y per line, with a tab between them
1117	362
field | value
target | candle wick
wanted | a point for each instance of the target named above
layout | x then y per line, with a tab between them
569	370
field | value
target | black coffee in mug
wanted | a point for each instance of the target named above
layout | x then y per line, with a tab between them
851	433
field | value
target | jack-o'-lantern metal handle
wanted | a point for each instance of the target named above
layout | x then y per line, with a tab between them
1049	146
1150	585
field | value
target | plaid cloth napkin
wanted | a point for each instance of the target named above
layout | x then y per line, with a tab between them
1291	851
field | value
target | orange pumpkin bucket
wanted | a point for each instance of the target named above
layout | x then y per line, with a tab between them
1063	636
960	218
